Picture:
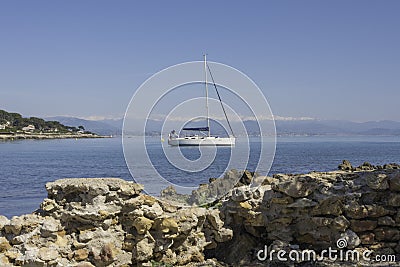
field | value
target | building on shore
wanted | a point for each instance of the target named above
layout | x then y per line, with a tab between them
28	128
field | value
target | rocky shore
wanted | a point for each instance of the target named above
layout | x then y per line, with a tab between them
39	136
110	222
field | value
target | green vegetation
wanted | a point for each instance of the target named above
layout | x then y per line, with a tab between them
14	122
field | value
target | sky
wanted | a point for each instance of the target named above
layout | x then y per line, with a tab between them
320	59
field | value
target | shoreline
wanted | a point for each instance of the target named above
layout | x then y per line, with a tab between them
46	136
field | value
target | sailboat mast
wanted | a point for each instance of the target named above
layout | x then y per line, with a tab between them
206	85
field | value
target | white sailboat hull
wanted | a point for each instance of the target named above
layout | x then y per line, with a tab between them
201	141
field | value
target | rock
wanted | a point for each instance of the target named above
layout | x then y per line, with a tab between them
85	264
48	254
303	203
166	225
3	221
4	261
152	211
299	186
366	166
246	178
48	205
387	234
345	166
143	250
394	200
329	206
356	211
394	182
242	193
363	225
81	254
142	224
351	238
50	226
4	244
223	235
61	240
245	205
386	220
13	254
376	181
96	222
30	257
14	226
215	220
107	253
340	223
86	235
130	189
376	211
367	238
391	166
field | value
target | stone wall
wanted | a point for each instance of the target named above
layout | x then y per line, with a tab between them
109	222
313	211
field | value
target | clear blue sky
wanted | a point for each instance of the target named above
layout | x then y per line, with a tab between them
322	59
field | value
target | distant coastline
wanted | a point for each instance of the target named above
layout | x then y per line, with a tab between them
42	136
15	127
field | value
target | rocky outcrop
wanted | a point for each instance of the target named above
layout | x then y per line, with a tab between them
313	211
366	166
109	222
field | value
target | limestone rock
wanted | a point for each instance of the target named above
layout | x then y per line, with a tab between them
142	224
214	219
376	181
242	193
14	226
386	220
81	254
367	238
108	222
340	223
48	205
166	225
363	225
3	221
153	211
50	226
143	250
386	233
302	203
356	211
48	254
4	244
394	199
345	166
351	238
298	186
85	264
394	182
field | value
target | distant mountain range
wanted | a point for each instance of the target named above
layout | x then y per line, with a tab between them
283	127
102	127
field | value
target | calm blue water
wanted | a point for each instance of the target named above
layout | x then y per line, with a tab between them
26	166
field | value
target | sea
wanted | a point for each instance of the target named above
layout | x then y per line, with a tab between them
27	165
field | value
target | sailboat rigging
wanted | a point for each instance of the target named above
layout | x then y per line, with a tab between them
204	140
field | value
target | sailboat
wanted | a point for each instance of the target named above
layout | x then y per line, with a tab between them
204	138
